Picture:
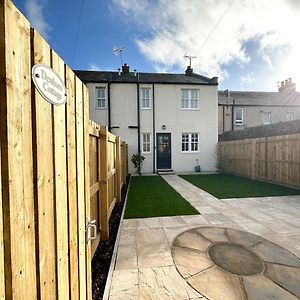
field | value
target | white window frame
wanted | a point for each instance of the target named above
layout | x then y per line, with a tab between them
188	99
142	98
100	98
238	122
143	142
264	113
187	138
290	113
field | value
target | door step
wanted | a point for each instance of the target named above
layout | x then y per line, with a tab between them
165	172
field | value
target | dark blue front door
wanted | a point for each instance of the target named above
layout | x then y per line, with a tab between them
163	143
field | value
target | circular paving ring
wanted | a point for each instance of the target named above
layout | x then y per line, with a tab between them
222	263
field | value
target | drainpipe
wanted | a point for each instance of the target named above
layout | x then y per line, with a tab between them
153	123
138	113
108	102
232	115
223	123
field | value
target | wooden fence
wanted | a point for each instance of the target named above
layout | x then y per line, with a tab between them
108	172
272	158
45	189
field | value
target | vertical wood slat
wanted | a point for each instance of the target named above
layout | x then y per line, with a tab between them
2	273
118	167
80	188
104	183
43	155
72	185
87	189
61	201
16	160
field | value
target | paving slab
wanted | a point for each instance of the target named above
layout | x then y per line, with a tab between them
260	287
150	248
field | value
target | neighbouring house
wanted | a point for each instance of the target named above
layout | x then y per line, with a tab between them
242	109
171	119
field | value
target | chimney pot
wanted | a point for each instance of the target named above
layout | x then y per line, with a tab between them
189	71
125	68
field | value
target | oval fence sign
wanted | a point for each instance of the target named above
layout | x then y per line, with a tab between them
49	84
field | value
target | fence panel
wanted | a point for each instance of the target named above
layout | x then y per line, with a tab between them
106	163
273	158
50	168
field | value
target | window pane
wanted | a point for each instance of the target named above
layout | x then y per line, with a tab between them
184	142
146	145
101	97
289	116
145	95
194	142
189	98
266	118
194	103
238	115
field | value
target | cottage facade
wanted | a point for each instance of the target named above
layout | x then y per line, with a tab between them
171	119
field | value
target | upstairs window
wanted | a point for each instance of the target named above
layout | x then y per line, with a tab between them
289	116
190	142
101	97
266	118
145	98
146	143
238	115
189	99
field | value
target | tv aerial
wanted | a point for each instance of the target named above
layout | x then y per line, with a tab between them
118	51
189	57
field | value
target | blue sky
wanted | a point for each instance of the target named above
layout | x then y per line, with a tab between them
248	44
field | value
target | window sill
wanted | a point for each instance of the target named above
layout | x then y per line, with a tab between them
189	108
146	108
190	152
100	108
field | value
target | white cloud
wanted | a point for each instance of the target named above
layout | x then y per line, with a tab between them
171	28
248	78
94	67
34	9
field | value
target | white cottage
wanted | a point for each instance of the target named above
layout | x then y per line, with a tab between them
171	119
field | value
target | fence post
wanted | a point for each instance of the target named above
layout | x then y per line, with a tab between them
253	158
104	183
126	160
118	169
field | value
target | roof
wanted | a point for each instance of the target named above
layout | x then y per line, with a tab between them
167	78
288	97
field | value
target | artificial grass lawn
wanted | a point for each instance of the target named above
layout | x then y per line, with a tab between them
225	186
151	196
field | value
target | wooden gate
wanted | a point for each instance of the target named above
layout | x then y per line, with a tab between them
44	251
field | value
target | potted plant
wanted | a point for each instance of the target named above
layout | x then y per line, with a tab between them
137	160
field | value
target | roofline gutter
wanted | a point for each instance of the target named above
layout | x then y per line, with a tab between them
258	105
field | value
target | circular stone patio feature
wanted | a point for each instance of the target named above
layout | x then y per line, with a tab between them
236	259
227	264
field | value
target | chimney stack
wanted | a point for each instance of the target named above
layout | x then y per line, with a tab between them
287	85
189	71
125	69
